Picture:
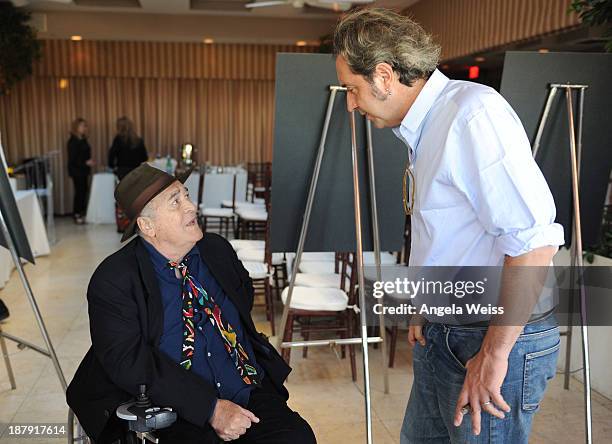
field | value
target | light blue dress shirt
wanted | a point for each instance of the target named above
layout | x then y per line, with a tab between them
479	193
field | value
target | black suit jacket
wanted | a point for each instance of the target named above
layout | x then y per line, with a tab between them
126	324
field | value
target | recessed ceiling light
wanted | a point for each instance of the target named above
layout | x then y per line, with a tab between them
301	43
76	38
208	41
543	50
479	59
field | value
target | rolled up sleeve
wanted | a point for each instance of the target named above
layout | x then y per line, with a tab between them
497	174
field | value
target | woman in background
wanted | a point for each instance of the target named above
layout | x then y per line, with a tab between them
127	151
79	167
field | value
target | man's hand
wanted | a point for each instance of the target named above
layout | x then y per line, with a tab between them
230	421
482	388
415	330
523	278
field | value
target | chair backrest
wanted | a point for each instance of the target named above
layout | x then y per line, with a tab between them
200	200
267	252
349	271
234	192
259	175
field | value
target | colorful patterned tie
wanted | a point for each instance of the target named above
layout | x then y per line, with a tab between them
193	291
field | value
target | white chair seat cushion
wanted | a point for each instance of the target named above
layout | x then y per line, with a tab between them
259	201
315	280
254	215
216	212
316	299
227	203
241	244
319	256
385	258
253	255
257	270
318	267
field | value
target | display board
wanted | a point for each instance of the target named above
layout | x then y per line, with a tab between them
302	95
525	81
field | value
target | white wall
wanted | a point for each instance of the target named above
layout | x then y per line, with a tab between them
600	339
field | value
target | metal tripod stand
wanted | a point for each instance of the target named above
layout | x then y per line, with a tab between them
363	339
48	350
575	139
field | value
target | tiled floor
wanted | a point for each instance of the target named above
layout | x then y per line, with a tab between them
320	386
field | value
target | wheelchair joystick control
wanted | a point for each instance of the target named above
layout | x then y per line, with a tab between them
142	400
144	418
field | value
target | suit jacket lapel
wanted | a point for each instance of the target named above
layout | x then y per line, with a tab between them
218	266
154	301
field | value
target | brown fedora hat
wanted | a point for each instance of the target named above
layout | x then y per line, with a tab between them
137	189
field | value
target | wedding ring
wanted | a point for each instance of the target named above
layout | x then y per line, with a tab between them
486	403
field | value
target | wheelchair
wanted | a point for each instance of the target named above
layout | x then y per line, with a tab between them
141	417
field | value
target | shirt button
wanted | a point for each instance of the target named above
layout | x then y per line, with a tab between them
218	384
208	354
200	327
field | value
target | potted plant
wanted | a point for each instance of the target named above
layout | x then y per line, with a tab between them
19	47
595	13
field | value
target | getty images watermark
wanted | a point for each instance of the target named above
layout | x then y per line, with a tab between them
411	289
479	295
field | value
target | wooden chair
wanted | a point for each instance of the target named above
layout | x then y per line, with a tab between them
275	265
259	175
260	275
403	257
253	218
321	309
219	218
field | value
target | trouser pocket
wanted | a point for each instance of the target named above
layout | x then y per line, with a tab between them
540	367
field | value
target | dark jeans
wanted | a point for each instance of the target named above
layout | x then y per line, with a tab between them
439	372
80	194
278	424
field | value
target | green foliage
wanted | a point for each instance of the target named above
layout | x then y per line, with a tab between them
18	46
595	13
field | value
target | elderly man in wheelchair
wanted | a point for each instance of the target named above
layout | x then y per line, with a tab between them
171	327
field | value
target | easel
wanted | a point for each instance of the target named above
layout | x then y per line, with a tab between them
48	350
363	339
575	138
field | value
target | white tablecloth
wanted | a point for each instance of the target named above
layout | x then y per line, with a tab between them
101	207
217	187
31	216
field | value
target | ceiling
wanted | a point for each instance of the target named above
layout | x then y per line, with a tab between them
221	21
206	7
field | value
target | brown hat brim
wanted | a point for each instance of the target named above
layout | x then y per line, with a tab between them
130	230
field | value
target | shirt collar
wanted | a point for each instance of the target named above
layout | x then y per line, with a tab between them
160	262
412	124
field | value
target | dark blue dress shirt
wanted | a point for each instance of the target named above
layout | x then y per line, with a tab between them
210	359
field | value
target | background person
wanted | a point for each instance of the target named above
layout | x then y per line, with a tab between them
126	153
128	150
79	167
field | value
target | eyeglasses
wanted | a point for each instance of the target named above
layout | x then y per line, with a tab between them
408	182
